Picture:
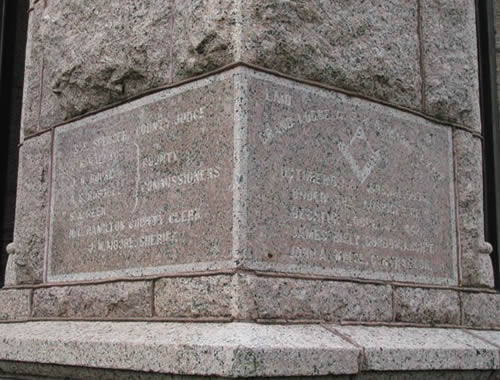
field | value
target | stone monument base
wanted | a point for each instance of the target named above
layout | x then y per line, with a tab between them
147	349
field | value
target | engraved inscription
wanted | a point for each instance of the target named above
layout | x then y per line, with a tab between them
140	190
348	188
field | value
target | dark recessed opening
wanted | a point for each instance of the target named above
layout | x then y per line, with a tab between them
13	29
489	115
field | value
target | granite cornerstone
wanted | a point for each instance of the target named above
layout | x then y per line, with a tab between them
250	189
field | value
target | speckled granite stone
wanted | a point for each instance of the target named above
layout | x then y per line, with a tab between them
395	348
451	85
481	309
32	73
98	53
372	49
231	350
14	303
113	300
430	306
208	296
477	269
287	298
31	212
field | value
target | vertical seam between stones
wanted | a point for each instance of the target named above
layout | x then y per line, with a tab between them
49	209
240	171
344	337
457	209
31	311
394	311
40	92
421	56
153	289
461	306
171	47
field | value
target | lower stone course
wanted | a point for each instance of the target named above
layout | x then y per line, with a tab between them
481	309
242	350
14	303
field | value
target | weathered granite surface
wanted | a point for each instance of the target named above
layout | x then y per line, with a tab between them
450	71
97	54
15	303
387	348
195	297
481	309
32	73
476	266
429	306
230	350
26	264
113	300
272	298
246	350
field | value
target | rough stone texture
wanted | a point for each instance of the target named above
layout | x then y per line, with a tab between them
477	269
14	303
113	300
288	299
426	375
481	309
208	296
31	212
393	348
450	61
96	53
203	37
235	349
32	73
372	49
430	306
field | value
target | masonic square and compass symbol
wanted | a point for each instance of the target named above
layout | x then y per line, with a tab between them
361	166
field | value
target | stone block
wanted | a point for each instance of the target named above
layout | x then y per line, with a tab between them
31	211
400	349
481	309
340	186
227	350
450	71
33	70
95	55
476	264
99	53
372	49
112	300
146	186
491	336
14	304
429	306
275	298
194	297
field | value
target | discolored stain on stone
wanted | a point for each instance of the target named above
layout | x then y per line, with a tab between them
113	300
451	84
428	306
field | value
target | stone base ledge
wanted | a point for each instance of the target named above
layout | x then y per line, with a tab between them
247	349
